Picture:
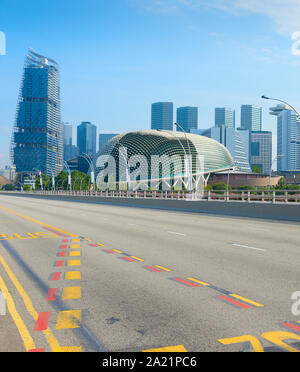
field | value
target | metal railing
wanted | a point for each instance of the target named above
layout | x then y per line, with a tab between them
247	196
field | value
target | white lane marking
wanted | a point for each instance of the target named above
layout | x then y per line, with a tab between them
176	233
132	224
246	246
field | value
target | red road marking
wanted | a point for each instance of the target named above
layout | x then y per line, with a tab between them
153	269
94	245
235	302
42	322
62	254
54	231
36	351
51	296
66	241
107	251
128	259
56	276
64	247
292	326
183	281
59	263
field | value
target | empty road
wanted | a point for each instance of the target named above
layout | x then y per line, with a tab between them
92	277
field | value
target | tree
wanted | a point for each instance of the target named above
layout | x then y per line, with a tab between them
221	186
256	169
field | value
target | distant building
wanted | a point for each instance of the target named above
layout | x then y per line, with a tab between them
104	138
37	142
187	118
261	151
9	172
236	141
67	134
224	116
70	152
162	116
251	118
86	138
288	138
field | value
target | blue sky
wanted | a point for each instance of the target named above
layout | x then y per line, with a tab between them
118	56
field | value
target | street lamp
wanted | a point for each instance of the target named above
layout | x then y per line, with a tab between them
88	159
274	160
69	174
279	100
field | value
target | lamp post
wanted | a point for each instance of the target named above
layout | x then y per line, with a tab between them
91	165
286	103
69	175
274	160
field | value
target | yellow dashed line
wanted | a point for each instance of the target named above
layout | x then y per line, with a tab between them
162	268
198	281
75	240
102	245
75	246
168	349
75	254
136	258
71	293
247	300
73	275
68	319
115	250
74	263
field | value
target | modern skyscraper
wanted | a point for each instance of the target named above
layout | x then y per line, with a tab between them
70	152
67	134
86	138
261	151
104	138
37	142
187	117
288	138
162	116
224	116
251	118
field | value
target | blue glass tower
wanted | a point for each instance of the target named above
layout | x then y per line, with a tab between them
87	138
187	117
224	116
37	142
162	116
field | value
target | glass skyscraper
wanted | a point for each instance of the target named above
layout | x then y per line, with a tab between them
187	117
37	143
251	118
224	116
162	116
86	138
67	134
104	138
261	151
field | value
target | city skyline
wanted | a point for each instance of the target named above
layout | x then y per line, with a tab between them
90	60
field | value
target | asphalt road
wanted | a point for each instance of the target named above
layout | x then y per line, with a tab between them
90	277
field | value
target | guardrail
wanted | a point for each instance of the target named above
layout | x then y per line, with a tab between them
273	196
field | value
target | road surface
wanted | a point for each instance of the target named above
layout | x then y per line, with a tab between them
90	277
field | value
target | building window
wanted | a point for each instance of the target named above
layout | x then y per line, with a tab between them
255	148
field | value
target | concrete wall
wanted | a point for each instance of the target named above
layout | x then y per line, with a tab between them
283	212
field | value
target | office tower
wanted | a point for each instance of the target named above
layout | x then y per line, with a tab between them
251	118
86	138
288	138
67	134
162	116
235	140
187	118
104	138
224	116
37	143
261	151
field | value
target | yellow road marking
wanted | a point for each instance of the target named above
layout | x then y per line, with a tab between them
39	222
23	331
116	250
199	282
102	245
28	304
257	346
75	254
163	268
70	349
73	275
168	349
74	263
75	240
71	293
278	337
136	258
75	246
247	300
68	319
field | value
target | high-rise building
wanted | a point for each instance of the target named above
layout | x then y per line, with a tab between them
70	152
235	140
104	138
251	118
224	116
261	151
162	116
288	138
37	137
187	118
67	134
86	138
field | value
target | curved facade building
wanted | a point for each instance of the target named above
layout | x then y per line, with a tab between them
163	155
